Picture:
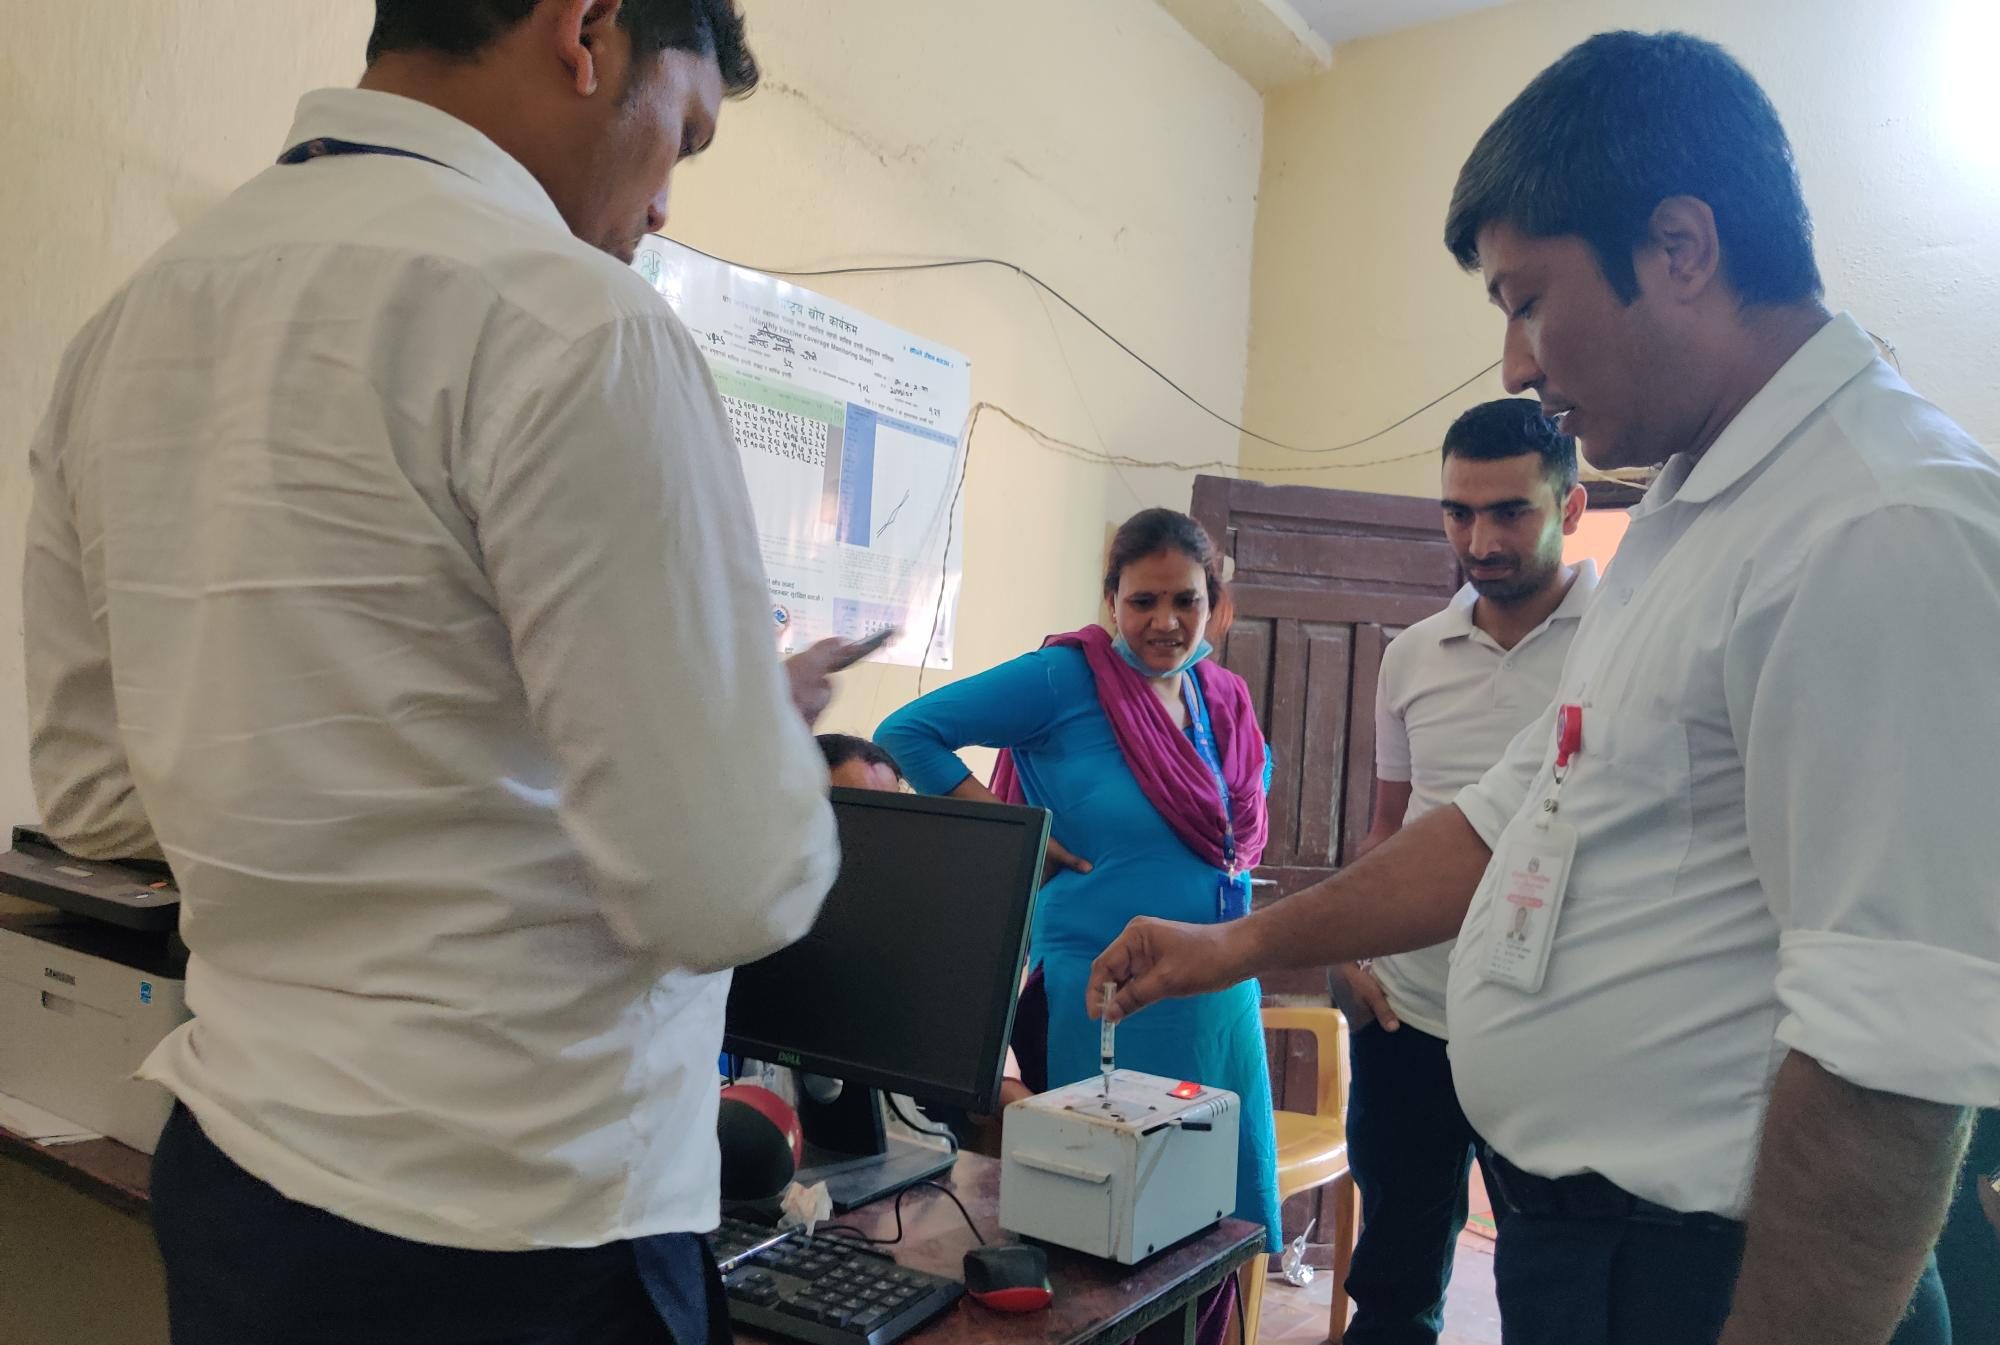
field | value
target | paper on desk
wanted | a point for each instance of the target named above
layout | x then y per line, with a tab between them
805	1207
43	1127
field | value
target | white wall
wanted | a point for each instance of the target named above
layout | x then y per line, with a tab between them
120	120
1360	315
1097	144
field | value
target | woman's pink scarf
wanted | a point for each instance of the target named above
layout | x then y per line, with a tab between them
1170	772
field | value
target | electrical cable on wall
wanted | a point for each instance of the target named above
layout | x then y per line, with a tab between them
944	563
1063	299
1075	450
1105	458
1068	448
1082	401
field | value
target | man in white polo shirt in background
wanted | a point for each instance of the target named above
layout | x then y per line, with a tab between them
1454	690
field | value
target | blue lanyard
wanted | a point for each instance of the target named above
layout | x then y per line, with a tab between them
1233	896
325	147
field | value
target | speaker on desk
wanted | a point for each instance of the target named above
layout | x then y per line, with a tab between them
762	1144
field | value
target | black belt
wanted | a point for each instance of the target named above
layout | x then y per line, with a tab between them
1584	1196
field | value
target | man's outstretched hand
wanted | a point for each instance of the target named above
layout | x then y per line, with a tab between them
1159	959
810	673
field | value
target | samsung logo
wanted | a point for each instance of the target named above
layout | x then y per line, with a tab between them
55	975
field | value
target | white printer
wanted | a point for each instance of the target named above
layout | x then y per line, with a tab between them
1122	1170
89	987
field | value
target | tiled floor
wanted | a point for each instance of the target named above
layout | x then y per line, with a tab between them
1471	1317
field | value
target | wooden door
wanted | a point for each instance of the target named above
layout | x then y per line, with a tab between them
1323	580
1323	583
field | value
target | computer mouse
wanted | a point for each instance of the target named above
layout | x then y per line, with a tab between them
1014	1278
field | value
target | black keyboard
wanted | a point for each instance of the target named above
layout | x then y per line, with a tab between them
825	1290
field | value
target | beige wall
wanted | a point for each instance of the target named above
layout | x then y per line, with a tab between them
1099	145
120	122
1359	315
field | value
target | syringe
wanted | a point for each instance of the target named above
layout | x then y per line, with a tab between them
1107	1033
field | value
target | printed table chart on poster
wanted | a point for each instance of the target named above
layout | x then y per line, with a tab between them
850	433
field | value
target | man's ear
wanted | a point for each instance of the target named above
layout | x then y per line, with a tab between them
1574	504
1687	252
580	29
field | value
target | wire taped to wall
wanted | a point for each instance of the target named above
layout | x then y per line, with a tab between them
1105	458
1048	441
1069	448
1055	444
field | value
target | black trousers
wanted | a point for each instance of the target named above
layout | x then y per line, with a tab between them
1410	1147
1565	1279
246	1266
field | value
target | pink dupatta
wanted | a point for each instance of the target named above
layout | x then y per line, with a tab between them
1170	772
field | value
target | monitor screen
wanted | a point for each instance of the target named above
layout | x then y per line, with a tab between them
909	977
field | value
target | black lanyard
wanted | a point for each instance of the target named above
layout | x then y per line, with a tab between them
327	148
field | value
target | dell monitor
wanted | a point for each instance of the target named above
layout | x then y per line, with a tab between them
907	981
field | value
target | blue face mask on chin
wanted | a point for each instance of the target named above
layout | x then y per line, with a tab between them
1125	651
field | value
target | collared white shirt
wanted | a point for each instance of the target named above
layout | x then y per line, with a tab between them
1448	701
391	564
1784	799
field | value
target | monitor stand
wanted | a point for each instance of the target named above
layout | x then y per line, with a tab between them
856	1180
849	1148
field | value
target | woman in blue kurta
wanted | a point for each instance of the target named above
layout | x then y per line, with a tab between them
1073	718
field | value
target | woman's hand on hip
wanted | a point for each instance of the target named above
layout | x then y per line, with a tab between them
1058	858
1054	860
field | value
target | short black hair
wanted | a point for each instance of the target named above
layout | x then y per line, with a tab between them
841	748
464	27
1619	124
1509	428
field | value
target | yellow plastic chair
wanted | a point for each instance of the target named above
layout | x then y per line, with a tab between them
1312	1152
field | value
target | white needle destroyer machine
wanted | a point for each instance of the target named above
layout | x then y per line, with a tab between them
1119	1167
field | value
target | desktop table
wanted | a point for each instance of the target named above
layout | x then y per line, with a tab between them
1096	1302
112	1173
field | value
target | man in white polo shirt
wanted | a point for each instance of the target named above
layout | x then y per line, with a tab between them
1454	690
1725	1070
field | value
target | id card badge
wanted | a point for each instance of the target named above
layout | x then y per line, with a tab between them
1534	875
1534	864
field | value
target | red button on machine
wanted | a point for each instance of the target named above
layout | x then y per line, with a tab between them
1188	1091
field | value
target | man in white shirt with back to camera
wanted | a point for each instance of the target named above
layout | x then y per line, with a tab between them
1724	1077
1454	690
391	570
